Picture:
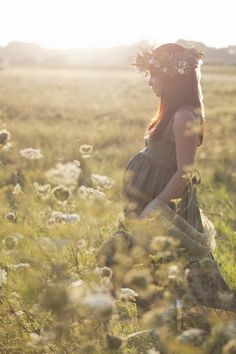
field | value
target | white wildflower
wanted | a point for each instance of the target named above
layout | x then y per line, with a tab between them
100	181
66	174
85	150
193	336
77	283
31	154
42	190
19	313
181	70
60	217
43	339
91	193
174	270
17	189
7	147
151	61
10	217
127	294
77	163
3	277
18	266
100	302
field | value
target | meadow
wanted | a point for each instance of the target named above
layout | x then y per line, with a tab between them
50	282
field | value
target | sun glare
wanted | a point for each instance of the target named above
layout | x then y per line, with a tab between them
103	23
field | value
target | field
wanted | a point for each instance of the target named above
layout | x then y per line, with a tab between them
43	261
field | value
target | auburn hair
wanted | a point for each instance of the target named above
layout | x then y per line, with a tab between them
177	91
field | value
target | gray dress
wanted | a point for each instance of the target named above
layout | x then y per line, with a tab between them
146	175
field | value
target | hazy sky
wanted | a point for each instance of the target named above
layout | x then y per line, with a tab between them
104	23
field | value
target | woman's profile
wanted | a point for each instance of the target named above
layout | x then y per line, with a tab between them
163	171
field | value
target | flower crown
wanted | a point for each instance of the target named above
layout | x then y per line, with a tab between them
171	64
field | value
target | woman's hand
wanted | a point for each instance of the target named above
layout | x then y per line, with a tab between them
150	208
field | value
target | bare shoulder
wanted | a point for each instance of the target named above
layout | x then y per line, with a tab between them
183	120
182	117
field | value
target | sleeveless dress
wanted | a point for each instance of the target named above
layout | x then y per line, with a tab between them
146	175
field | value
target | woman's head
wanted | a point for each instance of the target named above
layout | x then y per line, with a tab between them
175	78
177	89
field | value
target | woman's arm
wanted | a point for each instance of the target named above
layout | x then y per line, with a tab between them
186	139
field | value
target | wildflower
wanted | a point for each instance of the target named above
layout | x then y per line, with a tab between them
43	190
193	336
90	193
19	313
3	277
127	294
10	242
7	147
101	304
61	193
77	163
31	154
151	61
43	339
60	217
103	182
85	150
186	62
174	270
18	266
66	174
4	137
10	217
77	283
17	189
181	71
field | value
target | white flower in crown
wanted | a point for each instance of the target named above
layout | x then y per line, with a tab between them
182	64
151	61
181	71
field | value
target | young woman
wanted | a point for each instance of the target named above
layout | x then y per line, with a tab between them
163	172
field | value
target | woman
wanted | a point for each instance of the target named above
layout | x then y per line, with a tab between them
163	172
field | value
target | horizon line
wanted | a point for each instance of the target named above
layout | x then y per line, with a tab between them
109	46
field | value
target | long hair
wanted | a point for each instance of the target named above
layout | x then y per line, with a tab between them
176	92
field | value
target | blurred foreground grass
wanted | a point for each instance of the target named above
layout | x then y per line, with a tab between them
57	111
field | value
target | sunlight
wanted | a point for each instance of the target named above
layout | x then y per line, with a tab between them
91	23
